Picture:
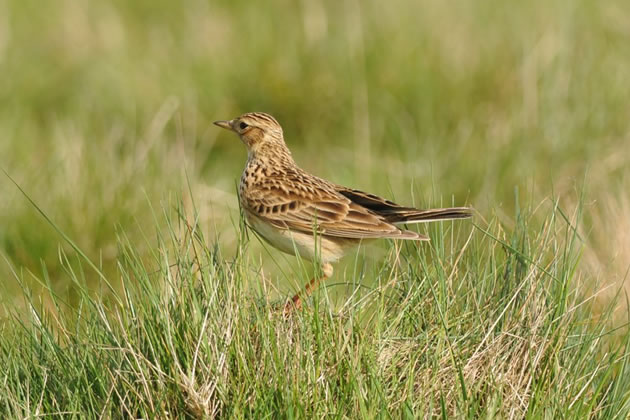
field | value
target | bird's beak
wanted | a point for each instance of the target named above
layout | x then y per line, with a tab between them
224	124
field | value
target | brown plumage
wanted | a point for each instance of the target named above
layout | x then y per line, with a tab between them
300	213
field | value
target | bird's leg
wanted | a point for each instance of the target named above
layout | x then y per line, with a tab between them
296	301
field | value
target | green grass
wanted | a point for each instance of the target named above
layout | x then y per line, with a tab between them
111	307
483	322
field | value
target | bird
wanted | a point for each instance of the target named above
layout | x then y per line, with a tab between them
307	216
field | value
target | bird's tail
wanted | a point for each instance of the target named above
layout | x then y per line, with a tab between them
422	216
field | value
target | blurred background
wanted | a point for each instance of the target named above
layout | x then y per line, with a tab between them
106	112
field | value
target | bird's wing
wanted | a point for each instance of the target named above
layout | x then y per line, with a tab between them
308	205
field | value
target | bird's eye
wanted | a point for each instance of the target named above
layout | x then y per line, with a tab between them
242	126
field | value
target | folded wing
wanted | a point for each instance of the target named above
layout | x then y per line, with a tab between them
319	208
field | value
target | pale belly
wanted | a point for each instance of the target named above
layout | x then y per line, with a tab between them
297	243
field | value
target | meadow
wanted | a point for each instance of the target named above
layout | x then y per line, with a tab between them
130	287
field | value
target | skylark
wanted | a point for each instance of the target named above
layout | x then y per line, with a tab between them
304	215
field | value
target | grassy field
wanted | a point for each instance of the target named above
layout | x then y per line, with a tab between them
129	286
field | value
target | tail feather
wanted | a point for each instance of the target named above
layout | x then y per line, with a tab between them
395	213
423	216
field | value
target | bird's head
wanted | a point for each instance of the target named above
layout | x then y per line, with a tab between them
257	130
